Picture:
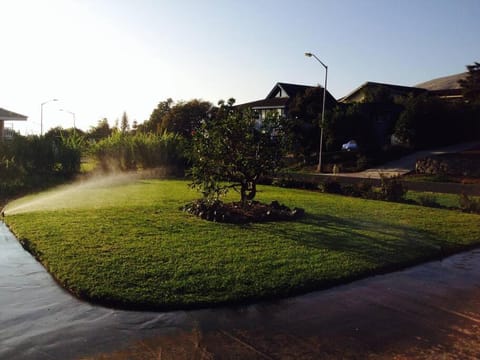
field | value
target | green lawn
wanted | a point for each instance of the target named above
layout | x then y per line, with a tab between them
128	244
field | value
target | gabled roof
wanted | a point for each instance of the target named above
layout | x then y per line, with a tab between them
290	89
7	115
394	88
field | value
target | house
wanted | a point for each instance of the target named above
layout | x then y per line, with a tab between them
447	87
381	104
379	92
279	98
6	115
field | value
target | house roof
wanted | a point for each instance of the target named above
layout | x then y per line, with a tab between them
290	89
274	102
395	88
7	115
443	83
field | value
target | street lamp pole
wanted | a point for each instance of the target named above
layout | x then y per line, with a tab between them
41	114
319	167
73	114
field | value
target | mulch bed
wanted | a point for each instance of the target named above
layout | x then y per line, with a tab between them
238	213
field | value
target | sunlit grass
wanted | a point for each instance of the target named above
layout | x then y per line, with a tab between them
131	245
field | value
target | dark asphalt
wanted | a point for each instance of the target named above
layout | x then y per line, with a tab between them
430	311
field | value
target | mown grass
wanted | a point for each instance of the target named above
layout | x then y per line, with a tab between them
130	245
440	199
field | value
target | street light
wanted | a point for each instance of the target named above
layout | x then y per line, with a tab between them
73	114
319	168
41	114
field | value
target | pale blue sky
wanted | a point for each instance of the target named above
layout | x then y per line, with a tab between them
103	57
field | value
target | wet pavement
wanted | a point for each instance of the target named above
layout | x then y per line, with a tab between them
430	311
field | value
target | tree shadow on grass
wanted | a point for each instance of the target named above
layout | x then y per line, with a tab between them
375	241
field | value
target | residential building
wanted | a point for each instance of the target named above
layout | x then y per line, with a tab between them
446	87
279	98
7	115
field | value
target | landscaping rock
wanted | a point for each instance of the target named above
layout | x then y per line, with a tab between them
450	164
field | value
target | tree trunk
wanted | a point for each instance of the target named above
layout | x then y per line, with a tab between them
248	191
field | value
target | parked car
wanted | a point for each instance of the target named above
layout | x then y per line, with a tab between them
350	146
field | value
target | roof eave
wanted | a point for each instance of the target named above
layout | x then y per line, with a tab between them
5	118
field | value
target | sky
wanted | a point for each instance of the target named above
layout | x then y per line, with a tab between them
100	58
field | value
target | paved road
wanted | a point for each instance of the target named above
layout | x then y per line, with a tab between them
427	312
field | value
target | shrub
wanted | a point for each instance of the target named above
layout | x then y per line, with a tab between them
331	187
289	182
469	205
233	147
363	163
366	190
428	200
392	189
69	154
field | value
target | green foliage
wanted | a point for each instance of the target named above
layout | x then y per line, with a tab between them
427	199
179	118
468	204
131	245
331	186
140	151
392	189
423	122
11	176
355	121
101	131
305	111
184	117
378	95
32	162
290	182
153	124
428	121
471	85
232	146
124	125
69	153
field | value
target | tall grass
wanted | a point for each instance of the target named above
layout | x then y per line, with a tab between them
140	151
31	162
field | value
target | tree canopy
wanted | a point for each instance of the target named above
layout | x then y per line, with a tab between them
101	131
471	84
232	146
305	112
180	118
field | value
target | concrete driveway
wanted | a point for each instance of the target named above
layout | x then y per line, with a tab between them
430	311
407	163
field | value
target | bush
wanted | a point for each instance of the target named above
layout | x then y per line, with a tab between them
331	187
363	163
289	182
34	162
392	189
428	200
469	205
